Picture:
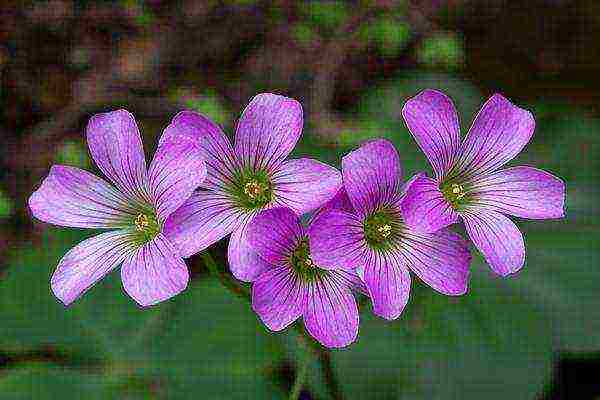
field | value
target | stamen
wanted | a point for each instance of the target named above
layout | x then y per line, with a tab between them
254	189
141	222
303	264
385	230
458	191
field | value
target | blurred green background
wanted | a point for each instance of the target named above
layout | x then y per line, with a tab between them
352	65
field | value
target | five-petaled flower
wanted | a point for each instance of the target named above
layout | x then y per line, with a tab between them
133	210
369	233
293	285
248	177
468	183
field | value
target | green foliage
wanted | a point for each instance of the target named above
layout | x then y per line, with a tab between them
208	104
73	153
304	34
6	205
326	15
443	49
388	34
205	342
490	342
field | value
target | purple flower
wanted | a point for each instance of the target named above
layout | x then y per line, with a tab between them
133	210
368	233
245	178
468	183
292	285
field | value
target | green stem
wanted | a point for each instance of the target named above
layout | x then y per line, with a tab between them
300	378
224	278
312	347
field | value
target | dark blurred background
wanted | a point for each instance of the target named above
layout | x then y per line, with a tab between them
351	65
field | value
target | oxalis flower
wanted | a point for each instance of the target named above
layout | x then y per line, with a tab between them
248	177
293	285
133	209
368	233
468	183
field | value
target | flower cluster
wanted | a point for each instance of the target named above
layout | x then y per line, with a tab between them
365	229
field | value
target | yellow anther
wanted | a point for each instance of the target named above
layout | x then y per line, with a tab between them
385	230
308	262
253	189
458	191
141	222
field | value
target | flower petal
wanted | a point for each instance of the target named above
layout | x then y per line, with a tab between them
205	218
337	241
433	121
305	184
278	297
340	201
73	197
424	207
267	131
274	234
331	314
498	238
498	134
175	172
215	147
154	273
372	175
350	279
524	192
245	264
116	146
440	259
388	281
88	262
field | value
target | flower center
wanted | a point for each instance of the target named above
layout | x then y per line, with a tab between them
380	228
146	227
454	193
255	190
303	265
252	189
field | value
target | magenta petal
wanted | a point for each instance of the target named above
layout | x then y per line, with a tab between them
88	262
372	175
154	273
350	279
214	146
340	201
433	122
337	241
498	238
205	218
388	281
440	259
267	131
305	184
73	197
278	297
274	234
498	134
116	146
245	264
175	172
331	314
424	207
524	192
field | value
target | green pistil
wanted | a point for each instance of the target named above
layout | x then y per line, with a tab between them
380	229
145	227
454	193
252	189
304	266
